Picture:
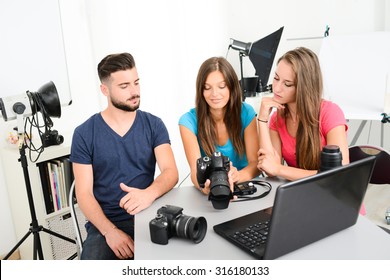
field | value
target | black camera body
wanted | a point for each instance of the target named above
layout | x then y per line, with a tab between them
216	169
170	221
51	138
208	166
159	229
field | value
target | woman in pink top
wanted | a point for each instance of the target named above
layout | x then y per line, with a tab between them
303	122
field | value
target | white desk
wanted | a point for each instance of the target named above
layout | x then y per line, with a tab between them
362	241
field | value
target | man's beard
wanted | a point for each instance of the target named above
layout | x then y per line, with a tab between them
124	106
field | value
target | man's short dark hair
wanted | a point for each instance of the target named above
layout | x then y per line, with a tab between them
113	63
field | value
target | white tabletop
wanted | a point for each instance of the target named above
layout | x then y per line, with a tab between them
364	240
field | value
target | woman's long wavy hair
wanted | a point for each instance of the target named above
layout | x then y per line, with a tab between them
309	87
207	135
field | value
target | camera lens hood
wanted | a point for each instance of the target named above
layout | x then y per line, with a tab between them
220	196
197	228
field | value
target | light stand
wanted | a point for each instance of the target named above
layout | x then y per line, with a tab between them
35	228
244	50
386	118
47	102
241	55
261	53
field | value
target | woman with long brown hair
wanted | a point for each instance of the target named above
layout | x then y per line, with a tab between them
220	122
303	122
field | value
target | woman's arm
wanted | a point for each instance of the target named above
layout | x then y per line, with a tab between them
251	147
337	136
268	140
192	151
270	153
271	165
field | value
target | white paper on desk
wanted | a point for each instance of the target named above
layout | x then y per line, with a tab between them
355	70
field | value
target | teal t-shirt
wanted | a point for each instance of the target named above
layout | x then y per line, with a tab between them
247	114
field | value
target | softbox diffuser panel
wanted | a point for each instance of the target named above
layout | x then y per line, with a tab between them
262	54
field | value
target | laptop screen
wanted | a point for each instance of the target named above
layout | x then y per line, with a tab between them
312	208
304	211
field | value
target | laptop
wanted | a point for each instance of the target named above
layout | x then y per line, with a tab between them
304	211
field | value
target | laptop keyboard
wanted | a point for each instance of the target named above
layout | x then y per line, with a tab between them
253	236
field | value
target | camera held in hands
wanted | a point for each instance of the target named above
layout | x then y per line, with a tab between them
170	221
216	169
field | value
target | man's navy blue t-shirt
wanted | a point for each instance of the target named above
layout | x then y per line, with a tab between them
129	159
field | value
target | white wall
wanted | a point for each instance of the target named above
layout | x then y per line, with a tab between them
170	39
251	20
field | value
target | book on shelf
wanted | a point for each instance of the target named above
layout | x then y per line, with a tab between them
59	181
68	174
46	188
53	184
56	178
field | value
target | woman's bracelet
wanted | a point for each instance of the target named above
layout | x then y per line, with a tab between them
262	120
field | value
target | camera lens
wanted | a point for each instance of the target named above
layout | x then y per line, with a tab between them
191	228
219	179
59	139
220	193
330	157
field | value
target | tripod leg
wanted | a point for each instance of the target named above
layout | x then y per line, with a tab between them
17	245
37	245
35	249
58	235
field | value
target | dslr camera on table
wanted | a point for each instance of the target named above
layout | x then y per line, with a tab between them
170	221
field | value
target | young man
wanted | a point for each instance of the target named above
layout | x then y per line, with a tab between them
114	154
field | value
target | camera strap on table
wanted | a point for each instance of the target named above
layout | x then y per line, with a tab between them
257	183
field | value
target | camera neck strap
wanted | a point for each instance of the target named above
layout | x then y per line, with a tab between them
256	183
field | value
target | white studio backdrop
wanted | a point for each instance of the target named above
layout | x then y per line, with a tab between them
356	70
31	60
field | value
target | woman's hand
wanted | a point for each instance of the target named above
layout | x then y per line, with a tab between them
267	103
269	162
233	174
233	177
206	189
